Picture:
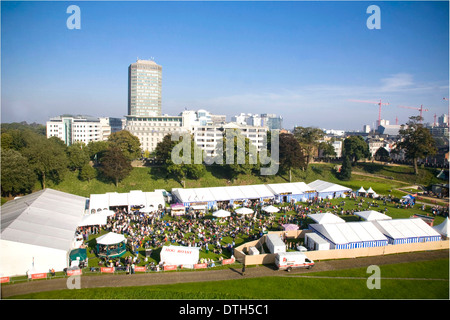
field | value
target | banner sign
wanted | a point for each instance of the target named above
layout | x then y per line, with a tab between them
227	261
107	270
74	272
200	265
139	269
4	279
170	267
39	275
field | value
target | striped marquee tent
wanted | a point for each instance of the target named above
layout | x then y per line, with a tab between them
325	218
350	235
210	196
413	230
371	215
285	192
326	189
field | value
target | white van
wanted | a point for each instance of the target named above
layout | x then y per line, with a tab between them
289	260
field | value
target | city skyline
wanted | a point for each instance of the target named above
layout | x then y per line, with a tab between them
300	60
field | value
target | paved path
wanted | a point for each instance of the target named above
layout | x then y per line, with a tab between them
161	278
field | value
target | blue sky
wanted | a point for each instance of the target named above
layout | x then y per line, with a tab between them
301	60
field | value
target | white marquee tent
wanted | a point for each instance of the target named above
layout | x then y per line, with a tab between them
443	228
285	192
93	219
350	235
372	215
326	189
211	195
39	227
411	230
101	202
326	217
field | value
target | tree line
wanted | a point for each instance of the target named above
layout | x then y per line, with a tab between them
28	156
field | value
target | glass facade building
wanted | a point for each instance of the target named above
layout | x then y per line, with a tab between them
144	88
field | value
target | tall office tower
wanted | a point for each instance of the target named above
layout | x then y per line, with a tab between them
144	88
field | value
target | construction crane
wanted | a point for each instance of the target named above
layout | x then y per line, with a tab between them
377	103
421	109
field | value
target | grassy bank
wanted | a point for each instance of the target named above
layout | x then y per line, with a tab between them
418	280
149	179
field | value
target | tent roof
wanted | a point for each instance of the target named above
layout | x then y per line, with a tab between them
222	193
292	188
326	217
93	219
324	186
132	198
405	228
361	190
342	233
47	218
110	238
371	215
443	227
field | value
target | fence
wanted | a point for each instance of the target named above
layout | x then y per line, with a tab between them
317	255
118	270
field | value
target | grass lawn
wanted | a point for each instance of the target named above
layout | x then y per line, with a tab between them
418	280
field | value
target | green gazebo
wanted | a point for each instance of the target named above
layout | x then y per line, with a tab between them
111	245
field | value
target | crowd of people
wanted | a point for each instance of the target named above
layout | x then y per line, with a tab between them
149	231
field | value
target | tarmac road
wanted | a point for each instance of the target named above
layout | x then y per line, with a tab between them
160	278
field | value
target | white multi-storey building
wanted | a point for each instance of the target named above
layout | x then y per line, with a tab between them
205	132
151	130
269	120
71	129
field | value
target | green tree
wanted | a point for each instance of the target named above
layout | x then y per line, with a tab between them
346	169
114	165
239	155
416	141
48	159
96	149
327	149
7	141
17	177
127	143
308	138
87	172
290	153
164	148
78	155
382	154
355	148
189	166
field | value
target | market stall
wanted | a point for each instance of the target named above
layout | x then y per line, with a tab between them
177	209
